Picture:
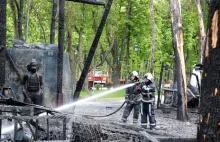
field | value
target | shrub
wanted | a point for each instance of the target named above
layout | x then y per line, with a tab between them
98	86
108	85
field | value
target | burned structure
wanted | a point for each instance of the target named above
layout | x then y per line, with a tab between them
46	56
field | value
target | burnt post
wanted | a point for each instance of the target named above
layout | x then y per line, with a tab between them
209	124
160	81
92	51
60	53
2	44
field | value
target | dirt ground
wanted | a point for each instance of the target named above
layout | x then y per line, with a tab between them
167	124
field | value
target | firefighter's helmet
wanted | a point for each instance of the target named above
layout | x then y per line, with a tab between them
134	73
148	76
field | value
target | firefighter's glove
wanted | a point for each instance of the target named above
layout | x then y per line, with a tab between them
126	98
138	88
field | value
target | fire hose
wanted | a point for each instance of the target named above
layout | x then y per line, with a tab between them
107	114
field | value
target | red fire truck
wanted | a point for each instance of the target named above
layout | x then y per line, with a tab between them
98	77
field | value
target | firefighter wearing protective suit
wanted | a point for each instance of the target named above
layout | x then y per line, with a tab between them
33	84
147	105
133	99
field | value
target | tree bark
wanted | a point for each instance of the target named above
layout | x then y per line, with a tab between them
153	36
71	56
60	52
53	22
177	32
81	51
27	20
20	16
116	68
202	34
210	97
14	15
92	51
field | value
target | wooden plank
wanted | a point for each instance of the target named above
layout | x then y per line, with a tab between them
94	2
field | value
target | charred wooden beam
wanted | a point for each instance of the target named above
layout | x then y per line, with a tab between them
60	52
94	2
92	51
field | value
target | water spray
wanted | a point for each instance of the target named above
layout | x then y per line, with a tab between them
64	107
92	97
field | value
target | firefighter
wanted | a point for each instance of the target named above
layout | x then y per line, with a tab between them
147	105
133	99
33	84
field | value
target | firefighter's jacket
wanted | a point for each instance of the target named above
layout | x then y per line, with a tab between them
148	91
133	94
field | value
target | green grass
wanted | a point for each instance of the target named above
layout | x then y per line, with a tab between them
117	94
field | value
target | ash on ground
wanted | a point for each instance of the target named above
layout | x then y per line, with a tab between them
168	127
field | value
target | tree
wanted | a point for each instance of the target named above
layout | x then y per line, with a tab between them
153	36
177	33
202	35
20	17
27	20
209	101
53	21
14	7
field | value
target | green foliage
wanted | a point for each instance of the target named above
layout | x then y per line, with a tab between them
108	85
98	86
138	31
117	94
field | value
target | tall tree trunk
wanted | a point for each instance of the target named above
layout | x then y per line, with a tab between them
14	16
20	17
53	22
80	41
153	36
127	55
210	97
27	20
71	56
177	32
92	51
81	49
202	35
116	68
60	52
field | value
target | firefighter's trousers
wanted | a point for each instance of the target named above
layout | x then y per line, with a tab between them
147	110
128	109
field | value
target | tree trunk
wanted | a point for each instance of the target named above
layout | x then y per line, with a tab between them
53	22
71	56
92	51
116	68
210	97
153	36
202	35
177	32
60	52
14	15
81	49
127	55
27	20
20	16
